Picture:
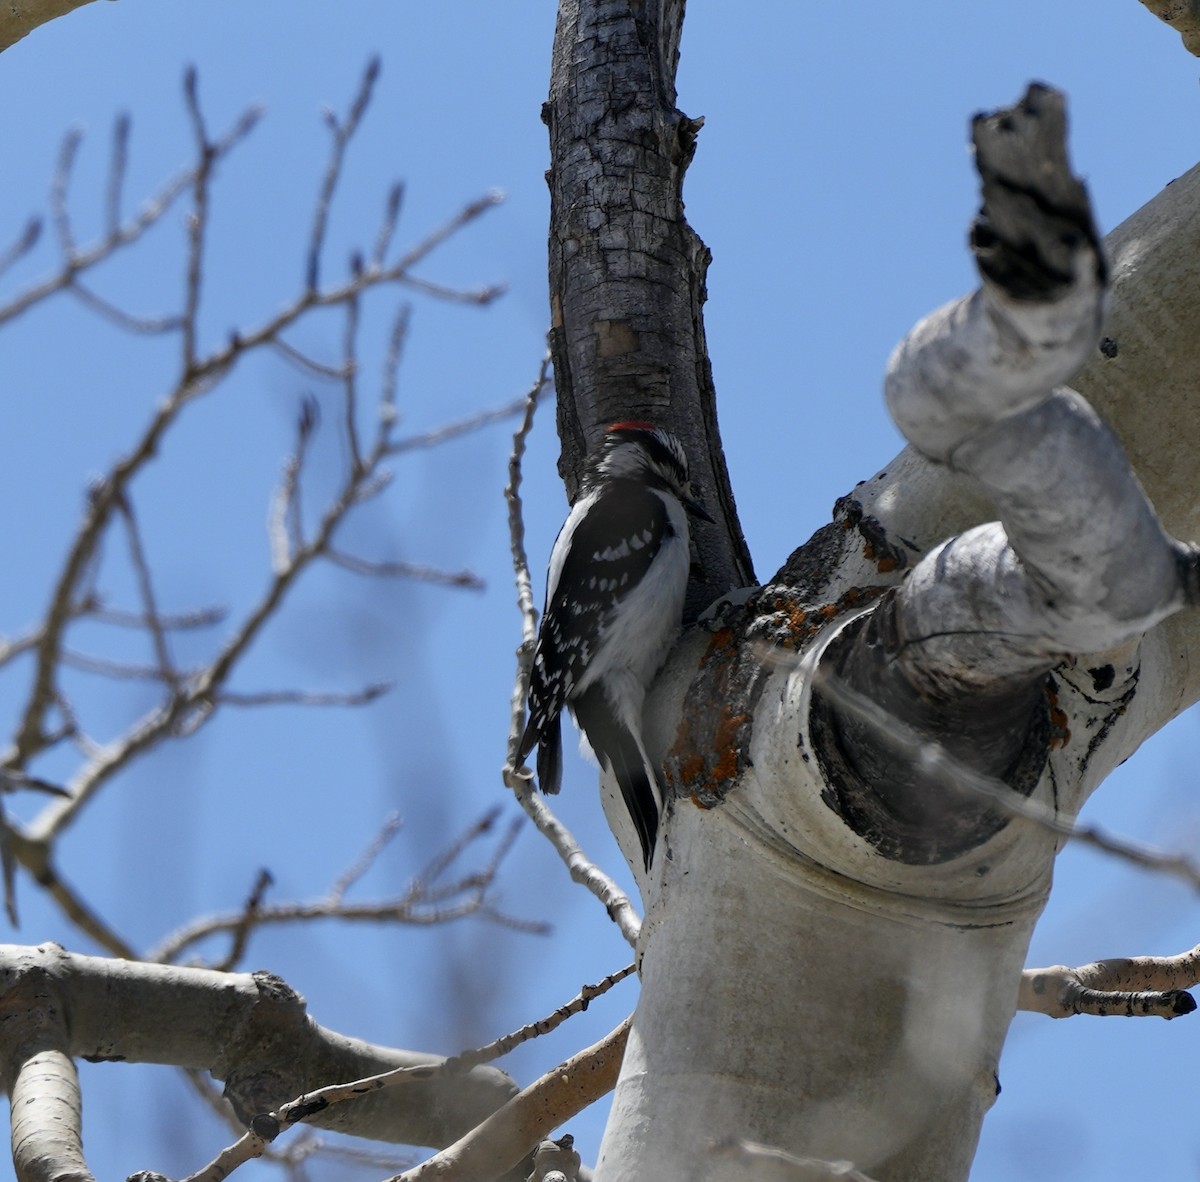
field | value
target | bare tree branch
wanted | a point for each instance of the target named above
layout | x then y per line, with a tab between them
365	860
193	697
343	131
306	697
462	427
406	570
204	617
141	570
577	1005
23	245
387	227
506	1136
430	898
1131	987
205	1012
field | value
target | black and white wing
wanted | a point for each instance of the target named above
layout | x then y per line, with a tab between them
602	553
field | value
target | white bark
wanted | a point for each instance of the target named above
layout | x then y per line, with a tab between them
1078	561
801	991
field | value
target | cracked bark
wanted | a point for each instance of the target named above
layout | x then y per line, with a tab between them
627	273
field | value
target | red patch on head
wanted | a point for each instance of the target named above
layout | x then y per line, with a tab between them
631	425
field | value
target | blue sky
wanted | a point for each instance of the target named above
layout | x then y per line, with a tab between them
833	185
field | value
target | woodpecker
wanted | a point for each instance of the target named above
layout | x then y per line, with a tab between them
614	603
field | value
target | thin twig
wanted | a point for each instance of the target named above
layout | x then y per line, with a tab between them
432	241
59	213
117	670
147	325
360	697
350	381
20	644
577	1005
203	617
285	519
36	857
25	242
406	570
242	930
456	295
366	859
582	869
444	859
343	131
197	222
118	163
333	373
387	227
391	370
11	781
464	426
141	571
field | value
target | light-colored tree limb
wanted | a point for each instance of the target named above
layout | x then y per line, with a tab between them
249	1030
1078	561
1137	986
37	1070
511	1133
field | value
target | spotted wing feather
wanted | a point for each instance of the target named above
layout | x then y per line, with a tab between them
593	576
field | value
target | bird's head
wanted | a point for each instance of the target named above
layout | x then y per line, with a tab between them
637	450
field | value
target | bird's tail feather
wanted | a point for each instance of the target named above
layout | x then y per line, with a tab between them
549	758
616	745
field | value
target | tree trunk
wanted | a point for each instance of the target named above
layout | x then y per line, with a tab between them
798	988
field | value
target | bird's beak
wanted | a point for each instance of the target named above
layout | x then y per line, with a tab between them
695	506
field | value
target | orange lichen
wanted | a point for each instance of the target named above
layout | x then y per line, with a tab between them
1060	733
726	743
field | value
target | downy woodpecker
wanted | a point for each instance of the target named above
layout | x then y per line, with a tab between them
614	602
